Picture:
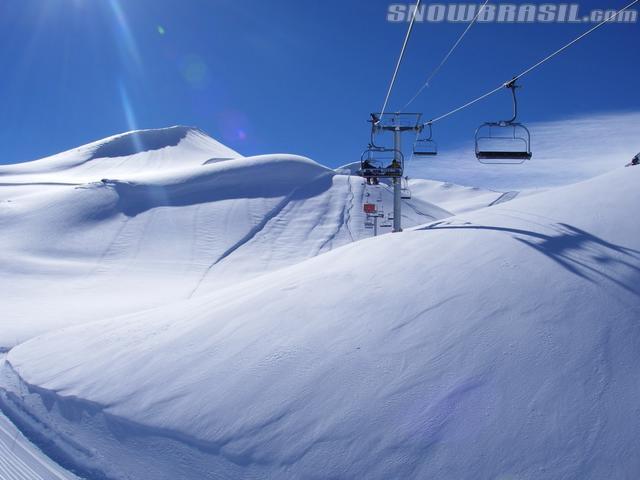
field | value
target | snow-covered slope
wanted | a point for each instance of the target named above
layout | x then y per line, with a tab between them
458	198
20	460
84	229
502	343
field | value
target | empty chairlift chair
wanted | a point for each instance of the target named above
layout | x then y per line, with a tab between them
426	146
504	142
405	191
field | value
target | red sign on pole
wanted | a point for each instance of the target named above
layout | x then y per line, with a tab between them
369	208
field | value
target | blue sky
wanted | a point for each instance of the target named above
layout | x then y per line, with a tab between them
295	76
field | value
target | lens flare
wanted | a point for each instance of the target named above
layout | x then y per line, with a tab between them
129	114
195	71
233	125
124	38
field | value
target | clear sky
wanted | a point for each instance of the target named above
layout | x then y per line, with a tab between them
295	76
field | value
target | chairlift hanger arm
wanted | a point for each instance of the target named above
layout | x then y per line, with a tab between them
430	125
512	86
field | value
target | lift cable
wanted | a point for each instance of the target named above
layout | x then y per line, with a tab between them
404	47
530	69
427	83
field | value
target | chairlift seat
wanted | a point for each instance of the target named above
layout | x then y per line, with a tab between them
503	143
424	153
503	155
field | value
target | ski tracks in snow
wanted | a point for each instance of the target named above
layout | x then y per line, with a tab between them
347	211
245	239
505	197
20	460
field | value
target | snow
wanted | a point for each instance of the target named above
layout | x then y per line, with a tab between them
21	460
499	343
138	151
166	222
457	198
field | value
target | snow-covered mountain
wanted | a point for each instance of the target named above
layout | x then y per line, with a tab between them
168	214
230	319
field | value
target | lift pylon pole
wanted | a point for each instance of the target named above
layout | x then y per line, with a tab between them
397	185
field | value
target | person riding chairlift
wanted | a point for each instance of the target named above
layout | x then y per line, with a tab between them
366	165
395	164
634	161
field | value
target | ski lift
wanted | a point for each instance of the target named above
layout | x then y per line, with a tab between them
405	192
426	146
380	162
385	225
504	142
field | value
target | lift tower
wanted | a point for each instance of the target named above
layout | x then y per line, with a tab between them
383	162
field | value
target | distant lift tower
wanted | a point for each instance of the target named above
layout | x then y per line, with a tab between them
379	161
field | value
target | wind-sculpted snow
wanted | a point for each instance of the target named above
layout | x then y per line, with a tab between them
140	141
137	152
501	343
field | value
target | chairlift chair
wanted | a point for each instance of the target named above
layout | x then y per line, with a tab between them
504	142
380	162
425	146
405	192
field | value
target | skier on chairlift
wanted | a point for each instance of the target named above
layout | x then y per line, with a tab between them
394	164
373	181
366	165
